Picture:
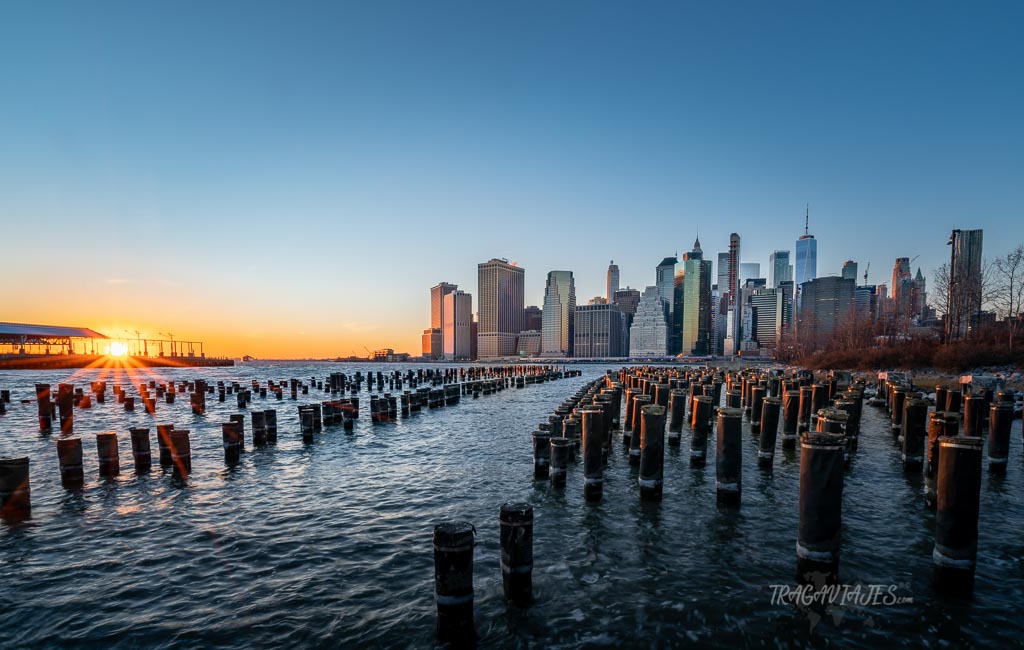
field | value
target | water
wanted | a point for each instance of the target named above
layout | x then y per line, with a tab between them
329	544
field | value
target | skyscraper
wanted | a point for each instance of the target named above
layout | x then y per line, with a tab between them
598	331
749	271
825	302
850	270
458	320
734	263
965	282
500	294
902	287
768	309
733	288
723	273
695	319
721	316
648	335
612	282
666	279
806	254
717	324
433	337
534	318
627	299
747	336
666	273
437	294
865	300
779	268
674	341
559	313
433	343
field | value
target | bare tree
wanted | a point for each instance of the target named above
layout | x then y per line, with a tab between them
1008	288
939	294
961	303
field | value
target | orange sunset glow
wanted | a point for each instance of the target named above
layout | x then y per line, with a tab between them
229	329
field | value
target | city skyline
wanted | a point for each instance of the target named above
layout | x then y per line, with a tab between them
271	202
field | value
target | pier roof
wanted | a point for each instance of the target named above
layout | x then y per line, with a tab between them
47	331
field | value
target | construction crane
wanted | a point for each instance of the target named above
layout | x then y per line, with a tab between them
866	269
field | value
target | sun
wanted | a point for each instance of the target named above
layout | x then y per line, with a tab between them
117	349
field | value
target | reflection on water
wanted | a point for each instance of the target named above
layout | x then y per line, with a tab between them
328	543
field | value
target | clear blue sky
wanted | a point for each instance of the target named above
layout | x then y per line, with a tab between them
316	167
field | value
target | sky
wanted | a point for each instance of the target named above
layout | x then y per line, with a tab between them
289	179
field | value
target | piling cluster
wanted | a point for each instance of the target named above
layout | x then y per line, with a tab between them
822	413
422	389
947	444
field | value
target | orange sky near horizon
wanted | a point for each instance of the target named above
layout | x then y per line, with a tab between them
231	330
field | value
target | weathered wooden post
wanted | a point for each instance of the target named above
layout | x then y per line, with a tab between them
516	523
453	581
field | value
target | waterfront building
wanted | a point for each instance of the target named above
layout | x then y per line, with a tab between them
433	347
501	305
458	320
528	343
437	294
433	342
598	331
648	336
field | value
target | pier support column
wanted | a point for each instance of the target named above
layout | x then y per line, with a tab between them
652	452
453	581
821	503
516	523
958	490
729	456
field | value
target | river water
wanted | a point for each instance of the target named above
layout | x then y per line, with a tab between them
329	544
